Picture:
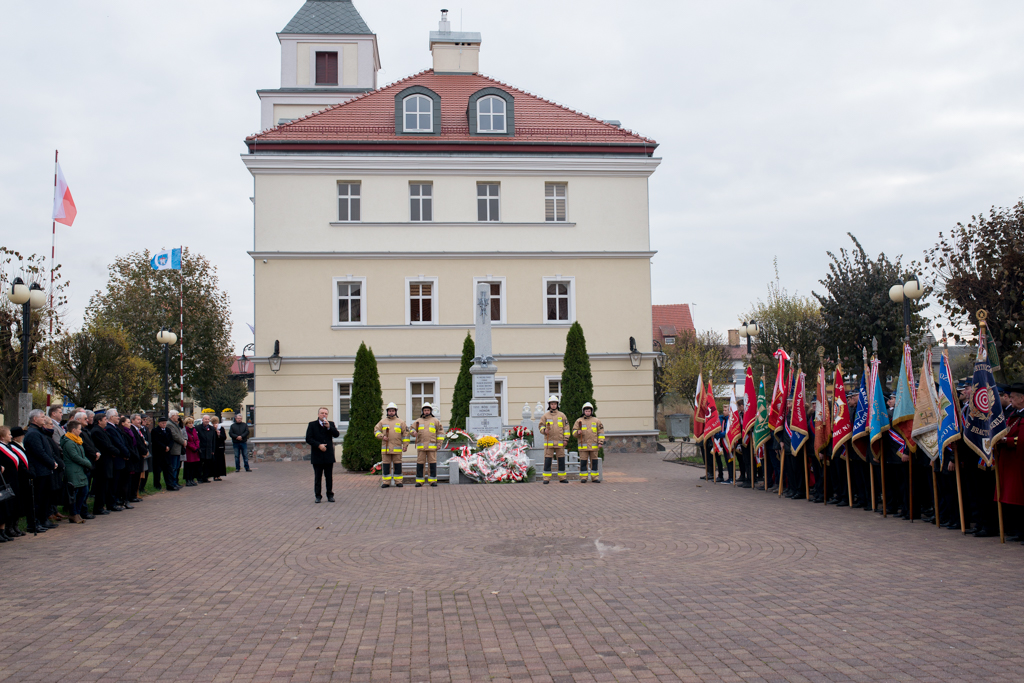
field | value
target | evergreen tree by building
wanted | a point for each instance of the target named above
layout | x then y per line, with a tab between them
360	449
463	385
577	379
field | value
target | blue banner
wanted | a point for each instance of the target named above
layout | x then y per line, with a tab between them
167	259
985	422
949	410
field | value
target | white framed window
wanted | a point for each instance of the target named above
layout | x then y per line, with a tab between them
418	113
348	201
342	401
499	393
349	300
559	299
487	199
421	200
497	297
555	202
421	301
669	341
420	390
552	386
490	114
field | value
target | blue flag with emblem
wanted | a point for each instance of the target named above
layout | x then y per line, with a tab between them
166	259
860	420
878	412
949	411
984	420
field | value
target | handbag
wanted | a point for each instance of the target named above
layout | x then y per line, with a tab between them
6	492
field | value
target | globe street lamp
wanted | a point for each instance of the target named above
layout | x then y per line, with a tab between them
168	339
29	297
904	292
749	330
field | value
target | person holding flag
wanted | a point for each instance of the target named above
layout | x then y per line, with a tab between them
904	408
749	420
842	430
1010	460
798	433
733	433
711	425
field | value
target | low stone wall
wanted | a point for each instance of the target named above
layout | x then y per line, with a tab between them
646	443
278	451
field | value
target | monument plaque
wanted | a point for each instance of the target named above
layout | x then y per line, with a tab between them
483	417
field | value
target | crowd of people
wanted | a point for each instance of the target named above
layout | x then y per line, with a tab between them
54	463
900	483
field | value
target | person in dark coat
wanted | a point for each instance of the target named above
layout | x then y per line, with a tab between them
103	502
239	434
39	448
163	441
15	472
320	435
207	445
120	460
142	448
220	469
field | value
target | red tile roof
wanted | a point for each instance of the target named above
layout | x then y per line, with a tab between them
370	118
671	315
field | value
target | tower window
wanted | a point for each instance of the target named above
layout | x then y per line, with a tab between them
327	68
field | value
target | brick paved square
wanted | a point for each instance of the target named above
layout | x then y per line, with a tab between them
652	575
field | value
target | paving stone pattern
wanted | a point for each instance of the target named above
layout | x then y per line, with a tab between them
652	575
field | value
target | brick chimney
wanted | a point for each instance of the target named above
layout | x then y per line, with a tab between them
454	52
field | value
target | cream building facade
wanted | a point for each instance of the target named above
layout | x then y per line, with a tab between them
375	220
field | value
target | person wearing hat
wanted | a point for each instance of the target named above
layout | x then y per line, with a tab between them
589	433
15	474
394	438
320	435
554	425
428	432
1010	461
163	442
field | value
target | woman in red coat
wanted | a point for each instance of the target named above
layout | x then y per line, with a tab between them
1010	461
193	467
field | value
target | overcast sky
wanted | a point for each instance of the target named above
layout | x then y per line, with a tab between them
782	125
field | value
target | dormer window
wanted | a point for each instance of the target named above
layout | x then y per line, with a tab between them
419	114
490	114
327	68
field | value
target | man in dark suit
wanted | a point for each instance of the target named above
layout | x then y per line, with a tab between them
320	435
207	446
41	464
163	442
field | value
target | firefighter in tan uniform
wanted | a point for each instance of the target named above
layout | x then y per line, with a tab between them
428	433
589	433
554	425
394	438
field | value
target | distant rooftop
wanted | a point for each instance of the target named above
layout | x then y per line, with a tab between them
328	16
454	37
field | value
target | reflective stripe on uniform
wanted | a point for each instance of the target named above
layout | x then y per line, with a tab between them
547	474
419	481
594	474
433	481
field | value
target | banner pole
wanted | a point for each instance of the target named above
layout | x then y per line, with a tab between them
849	480
53	251
824	480
935	493
959	490
871	475
807	479
910	485
782	468
885	510
181	336
999	499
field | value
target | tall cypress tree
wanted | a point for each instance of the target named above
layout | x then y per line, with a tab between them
577	379
360	449
463	385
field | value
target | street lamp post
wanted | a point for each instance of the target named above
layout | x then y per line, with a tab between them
749	330
904	292
167	338
29	297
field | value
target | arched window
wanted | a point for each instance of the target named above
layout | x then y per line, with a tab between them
419	114
490	114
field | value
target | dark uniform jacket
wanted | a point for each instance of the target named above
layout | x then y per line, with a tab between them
39	448
317	434
207	441
163	441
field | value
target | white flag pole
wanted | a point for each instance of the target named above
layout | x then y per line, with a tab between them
53	251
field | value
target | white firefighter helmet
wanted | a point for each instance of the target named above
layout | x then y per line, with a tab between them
426	404
390	406
553	399
588	404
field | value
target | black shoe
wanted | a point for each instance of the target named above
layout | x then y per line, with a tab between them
126	506
384	486
135	500
101	512
983	533
434	484
597	481
37	530
842	504
418	485
330	497
818	499
49	525
115	508
247	469
583	480
318	499
548	480
563	481
86	515
398	486
929	519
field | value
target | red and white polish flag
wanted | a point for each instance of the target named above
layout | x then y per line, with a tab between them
64	210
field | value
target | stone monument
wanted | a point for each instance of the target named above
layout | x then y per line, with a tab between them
484	418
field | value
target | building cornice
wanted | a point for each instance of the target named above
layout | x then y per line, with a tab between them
449	255
510	164
511	357
450	224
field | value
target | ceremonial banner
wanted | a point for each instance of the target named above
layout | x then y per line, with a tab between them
777	409
712	425
861	433
698	409
762	431
798	416
842	430
749	397
878	412
925	430
822	423
734	428
906	396
949	406
984	420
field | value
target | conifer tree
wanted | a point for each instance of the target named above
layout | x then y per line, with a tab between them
577	379
463	385
360	449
